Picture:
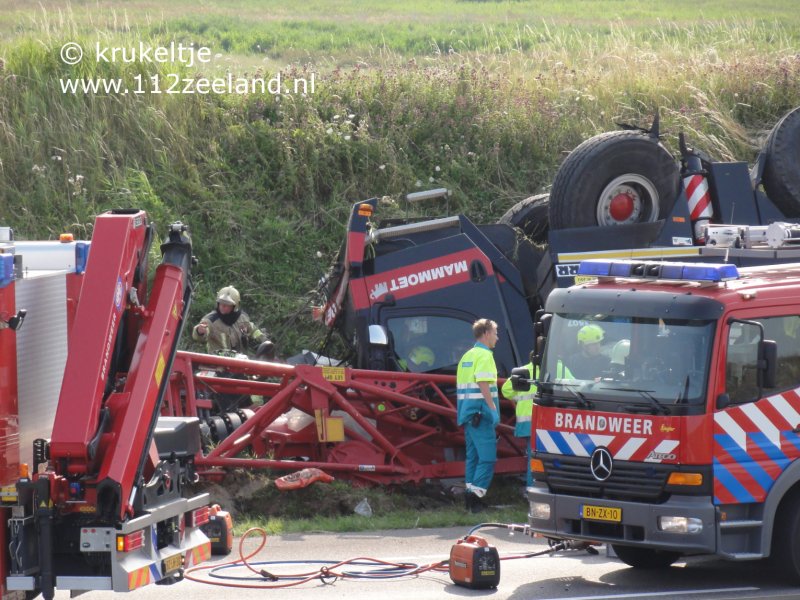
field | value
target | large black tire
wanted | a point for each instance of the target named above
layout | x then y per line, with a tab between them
531	216
781	176
785	553
645	558
615	178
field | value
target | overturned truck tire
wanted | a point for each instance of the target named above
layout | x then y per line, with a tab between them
615	178
524	253
781	176
531	216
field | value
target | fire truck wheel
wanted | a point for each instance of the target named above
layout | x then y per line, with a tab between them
781	176
615	178
645	558
786	538
531	216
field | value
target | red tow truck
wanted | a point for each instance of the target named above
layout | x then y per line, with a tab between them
103	503
688	441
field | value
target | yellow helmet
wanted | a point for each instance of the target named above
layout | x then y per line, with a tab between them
422	355
590	334
229	295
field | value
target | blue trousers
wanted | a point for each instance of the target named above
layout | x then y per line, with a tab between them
528	452
481	445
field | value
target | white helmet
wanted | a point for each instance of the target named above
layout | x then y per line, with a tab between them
620	352
229	295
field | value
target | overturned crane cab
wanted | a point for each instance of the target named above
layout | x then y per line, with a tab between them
686	442
104	504
403	292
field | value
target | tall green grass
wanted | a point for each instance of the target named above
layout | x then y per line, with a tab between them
485	102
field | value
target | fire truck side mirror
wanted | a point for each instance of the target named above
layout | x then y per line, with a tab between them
520	379
768	363
541	326
15	322
538	352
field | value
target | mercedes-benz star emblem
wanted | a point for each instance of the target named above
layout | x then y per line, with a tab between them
601	464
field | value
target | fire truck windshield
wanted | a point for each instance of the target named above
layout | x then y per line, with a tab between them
635	361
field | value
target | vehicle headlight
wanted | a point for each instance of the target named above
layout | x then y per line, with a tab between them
540	510
680	524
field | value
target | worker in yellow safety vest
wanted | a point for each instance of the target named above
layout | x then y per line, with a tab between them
524	413
478	412
524	402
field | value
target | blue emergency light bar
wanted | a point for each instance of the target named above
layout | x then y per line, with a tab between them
658	270
6	269
81	256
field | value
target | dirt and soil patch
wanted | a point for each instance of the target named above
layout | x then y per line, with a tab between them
247	493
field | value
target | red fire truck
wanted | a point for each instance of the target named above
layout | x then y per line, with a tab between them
685	439
103	502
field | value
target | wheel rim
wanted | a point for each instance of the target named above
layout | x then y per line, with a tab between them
629	198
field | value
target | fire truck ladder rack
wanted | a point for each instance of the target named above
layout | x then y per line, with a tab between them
377	427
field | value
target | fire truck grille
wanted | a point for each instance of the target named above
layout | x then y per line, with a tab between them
628	481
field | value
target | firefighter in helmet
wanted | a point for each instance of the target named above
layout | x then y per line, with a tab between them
415	355
227	328
589	361
619	356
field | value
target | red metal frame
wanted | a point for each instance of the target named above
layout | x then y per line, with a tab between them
9	426
9	410
398	427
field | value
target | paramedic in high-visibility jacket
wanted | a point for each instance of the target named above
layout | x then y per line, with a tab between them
524	413
479	411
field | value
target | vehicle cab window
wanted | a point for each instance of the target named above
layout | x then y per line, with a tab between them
741	377
429	343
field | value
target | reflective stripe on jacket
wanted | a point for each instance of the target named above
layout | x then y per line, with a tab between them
475	366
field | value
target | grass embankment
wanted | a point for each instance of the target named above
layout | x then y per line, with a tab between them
483	98
331	507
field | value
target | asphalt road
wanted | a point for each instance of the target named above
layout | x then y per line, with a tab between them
569	575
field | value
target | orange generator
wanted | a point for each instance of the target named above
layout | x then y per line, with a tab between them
474	563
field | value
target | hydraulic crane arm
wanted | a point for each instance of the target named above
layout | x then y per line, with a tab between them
113	387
